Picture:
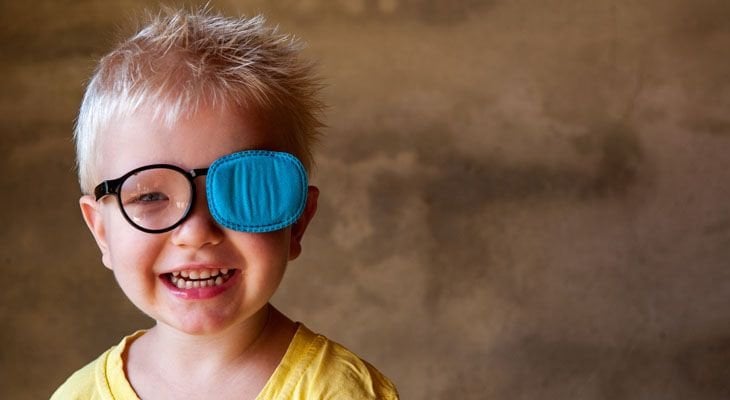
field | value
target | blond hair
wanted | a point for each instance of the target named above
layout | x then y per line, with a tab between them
181	60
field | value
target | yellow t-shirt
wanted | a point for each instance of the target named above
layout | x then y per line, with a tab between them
313	367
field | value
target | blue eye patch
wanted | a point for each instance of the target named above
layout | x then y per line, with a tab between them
256	190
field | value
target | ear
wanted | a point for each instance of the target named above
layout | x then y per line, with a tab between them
297	230
95	221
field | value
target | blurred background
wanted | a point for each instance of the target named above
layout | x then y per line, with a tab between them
520	199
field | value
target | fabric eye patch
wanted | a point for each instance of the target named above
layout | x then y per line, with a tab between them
256	190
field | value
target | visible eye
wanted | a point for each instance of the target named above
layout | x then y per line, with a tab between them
148	198
155	196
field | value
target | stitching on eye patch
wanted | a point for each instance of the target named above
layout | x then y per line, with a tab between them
264	227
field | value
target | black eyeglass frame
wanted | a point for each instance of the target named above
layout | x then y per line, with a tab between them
113	186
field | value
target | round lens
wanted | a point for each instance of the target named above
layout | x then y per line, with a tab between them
156	199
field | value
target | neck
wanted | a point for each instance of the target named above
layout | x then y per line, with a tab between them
256	345
210	350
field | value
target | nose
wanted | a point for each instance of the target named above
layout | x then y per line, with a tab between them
199	228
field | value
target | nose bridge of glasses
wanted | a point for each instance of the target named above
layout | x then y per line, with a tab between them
194	173
199	191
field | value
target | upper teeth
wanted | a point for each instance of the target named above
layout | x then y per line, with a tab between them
201	273
199	278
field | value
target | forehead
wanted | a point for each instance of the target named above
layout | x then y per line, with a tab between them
192	141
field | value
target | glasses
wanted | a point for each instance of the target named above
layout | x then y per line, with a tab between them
154	198
249	191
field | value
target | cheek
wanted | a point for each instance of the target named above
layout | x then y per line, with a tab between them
265	254
272	246
133	255
130	250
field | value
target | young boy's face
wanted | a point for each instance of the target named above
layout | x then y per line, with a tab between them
143	262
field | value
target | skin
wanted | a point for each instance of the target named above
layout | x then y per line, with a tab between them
228	344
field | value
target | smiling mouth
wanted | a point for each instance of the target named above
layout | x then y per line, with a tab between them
190	279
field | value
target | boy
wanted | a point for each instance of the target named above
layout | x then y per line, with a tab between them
193	145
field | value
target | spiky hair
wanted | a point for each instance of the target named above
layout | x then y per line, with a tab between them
181	60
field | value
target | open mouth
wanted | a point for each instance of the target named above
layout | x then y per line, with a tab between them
199	278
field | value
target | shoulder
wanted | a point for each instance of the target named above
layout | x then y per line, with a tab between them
101	379
346	372
83	383
323	369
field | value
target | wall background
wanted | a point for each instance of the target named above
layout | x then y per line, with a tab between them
520	199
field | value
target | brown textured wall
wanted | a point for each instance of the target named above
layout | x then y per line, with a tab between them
520	199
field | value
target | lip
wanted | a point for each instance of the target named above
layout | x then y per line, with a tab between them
200	293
